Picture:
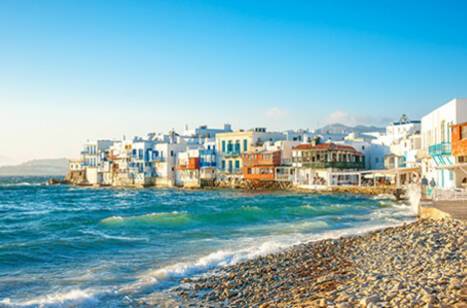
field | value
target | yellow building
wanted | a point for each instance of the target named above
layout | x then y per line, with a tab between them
232	145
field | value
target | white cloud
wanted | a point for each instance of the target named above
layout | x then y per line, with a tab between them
276	113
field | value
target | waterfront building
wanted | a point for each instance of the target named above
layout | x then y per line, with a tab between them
374	153
459	151
438	162
92	154
284	172
261	165
165	162
208	161
76	171
231	146
196	166
315	164
141	166
118	169
405	152
188	169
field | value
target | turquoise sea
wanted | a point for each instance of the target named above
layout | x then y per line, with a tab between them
72	246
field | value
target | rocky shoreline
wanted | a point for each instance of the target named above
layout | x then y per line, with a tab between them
422	264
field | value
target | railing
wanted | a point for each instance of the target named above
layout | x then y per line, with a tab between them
259	162
206	164
159	159
284	177
337	165
231	153
443	148
450	194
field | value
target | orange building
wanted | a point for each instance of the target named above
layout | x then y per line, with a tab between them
261	165
459	151
191	164
459	141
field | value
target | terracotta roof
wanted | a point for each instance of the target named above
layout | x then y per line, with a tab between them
326	147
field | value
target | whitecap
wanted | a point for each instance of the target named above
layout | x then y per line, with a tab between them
162	217
114	237
68	298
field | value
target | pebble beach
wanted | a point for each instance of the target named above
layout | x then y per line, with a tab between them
421	264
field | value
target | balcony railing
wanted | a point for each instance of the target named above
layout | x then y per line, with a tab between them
205	164
336	165
443	148
458	194
231	154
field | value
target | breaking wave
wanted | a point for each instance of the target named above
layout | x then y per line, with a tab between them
247	250
69	298
174	217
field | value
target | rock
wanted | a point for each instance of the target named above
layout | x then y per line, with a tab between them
419	264
373	299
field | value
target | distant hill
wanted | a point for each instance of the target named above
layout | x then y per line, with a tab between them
341	129
38	167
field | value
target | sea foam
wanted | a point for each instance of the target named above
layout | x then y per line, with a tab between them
69	298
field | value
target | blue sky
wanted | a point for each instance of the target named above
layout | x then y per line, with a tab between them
72	70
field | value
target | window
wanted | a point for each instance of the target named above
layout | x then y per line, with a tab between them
443	132
223	145
464	132
237	146
171	153
223	165
237	164
245	145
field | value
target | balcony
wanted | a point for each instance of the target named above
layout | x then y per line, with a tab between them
336	165
443	148
262	159
232	153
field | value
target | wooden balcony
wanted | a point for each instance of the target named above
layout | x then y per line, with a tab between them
262	159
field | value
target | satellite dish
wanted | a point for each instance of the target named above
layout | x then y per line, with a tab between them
404	119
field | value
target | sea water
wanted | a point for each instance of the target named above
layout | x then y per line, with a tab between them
110	247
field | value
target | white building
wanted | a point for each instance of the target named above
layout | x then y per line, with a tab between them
300	135
373	153
165	162
397	131
199	134
188	168
92	156
93	151
437	159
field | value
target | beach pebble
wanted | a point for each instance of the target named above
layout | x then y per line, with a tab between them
420	264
